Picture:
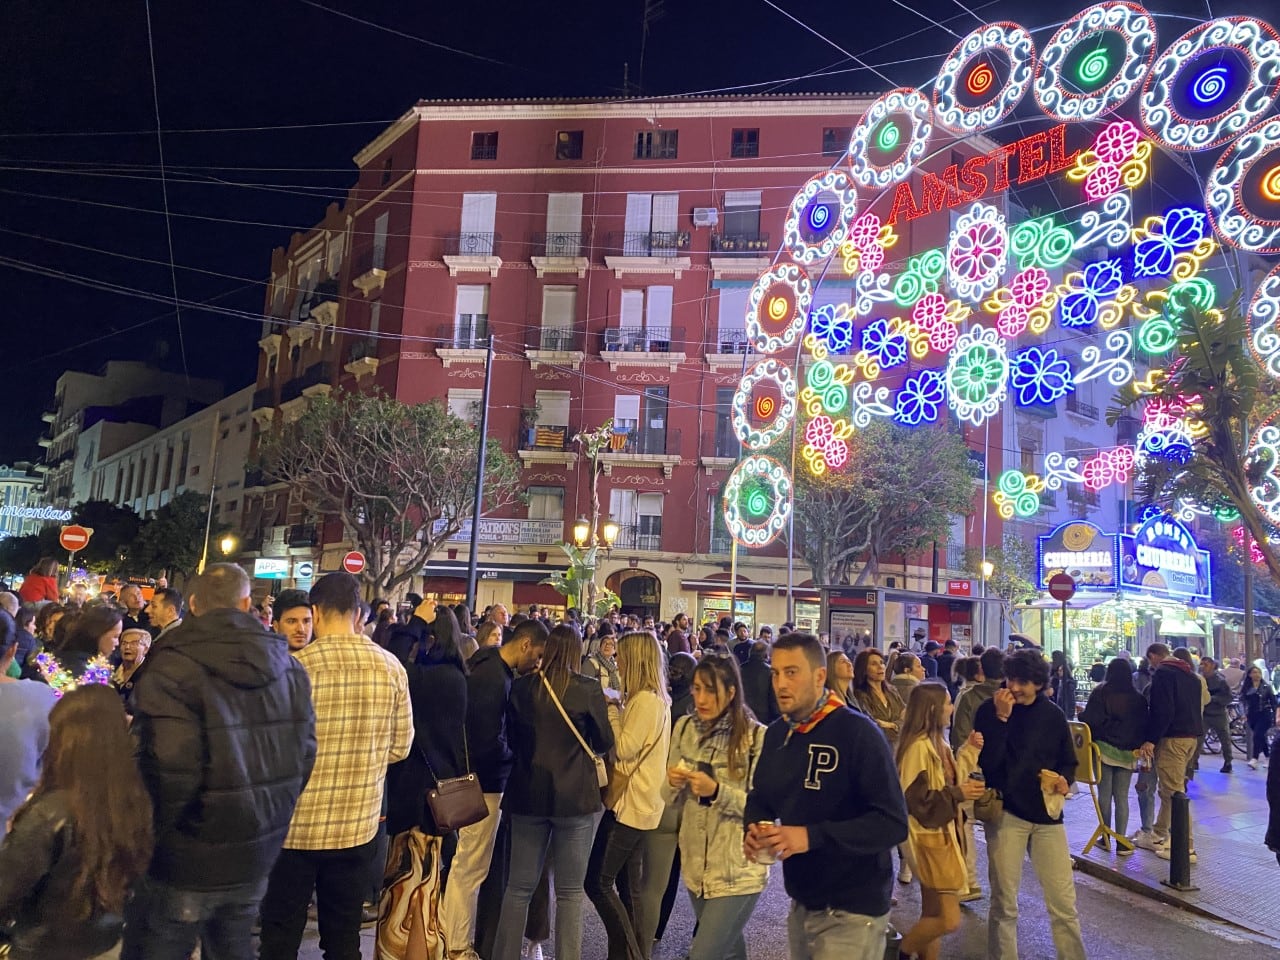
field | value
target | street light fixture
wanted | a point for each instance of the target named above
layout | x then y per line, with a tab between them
610	531
581	531
987	568
228	544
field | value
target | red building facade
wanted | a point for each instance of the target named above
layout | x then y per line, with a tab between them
608	248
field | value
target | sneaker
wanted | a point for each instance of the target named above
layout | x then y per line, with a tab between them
904	874
1144	840
1253	764
1226	768
531	950
1123	851
973	893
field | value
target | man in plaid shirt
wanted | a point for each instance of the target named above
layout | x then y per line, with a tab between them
363	723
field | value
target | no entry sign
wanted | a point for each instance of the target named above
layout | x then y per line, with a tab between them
1062	587
74	537
353	562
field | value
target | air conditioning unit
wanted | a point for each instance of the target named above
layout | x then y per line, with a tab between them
705	216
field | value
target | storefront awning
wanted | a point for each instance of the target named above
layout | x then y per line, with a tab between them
1180	627
1078	602
746	587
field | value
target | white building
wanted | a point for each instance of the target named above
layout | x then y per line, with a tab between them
22	507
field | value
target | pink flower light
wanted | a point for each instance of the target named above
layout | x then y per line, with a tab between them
1117	143
1029	287
1012	320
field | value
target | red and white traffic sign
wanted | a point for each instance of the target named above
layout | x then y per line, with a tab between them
75	537
353	562
1062	587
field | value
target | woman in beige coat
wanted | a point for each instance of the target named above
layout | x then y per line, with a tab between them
935	784
713	758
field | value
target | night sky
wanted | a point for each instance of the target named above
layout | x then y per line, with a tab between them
84	257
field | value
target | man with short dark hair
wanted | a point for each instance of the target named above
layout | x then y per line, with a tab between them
947	667
757	684
165	611
1175	723
492	671
1027	753
677	638
226	739
992	661
293	618
1215	711
363	723
828	805
932	650
741	642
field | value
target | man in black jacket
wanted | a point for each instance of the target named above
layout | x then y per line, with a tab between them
757	684
1028	754
488	690
226	741
1215	711
1174	726
826	802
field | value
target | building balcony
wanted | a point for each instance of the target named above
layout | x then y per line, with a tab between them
727	349
648	252
310	383
323	306
546	443
302	535
369	271
362	357
558	253
740	244
463	342
721	542
470	252
554	346
643	448
636	536
1081	409
1041	411
643	346
50	412
45	442
720	450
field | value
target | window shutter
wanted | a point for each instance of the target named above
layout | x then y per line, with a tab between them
553	407
626	407
559	307
564	212
658	308
473	300
632	308
733	310
478	212
666	212
639	212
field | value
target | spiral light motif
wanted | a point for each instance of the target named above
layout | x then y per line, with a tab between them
888	137
1093	67
1134	27
1210	86
1270	184
980	79
969	59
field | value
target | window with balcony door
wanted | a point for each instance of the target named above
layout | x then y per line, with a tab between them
657	144
546	503
550	430
651	230
745	143
835	140
720	541
644	321
569	145
731	321
725	440
564	225
471	317
484	145
639	517
640	423
559	309
465	404
476	237
740	230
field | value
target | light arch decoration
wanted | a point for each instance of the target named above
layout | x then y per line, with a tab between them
1020	310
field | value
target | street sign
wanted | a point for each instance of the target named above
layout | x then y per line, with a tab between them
960	588
271	568
75	537
353	562
1062	587
304	570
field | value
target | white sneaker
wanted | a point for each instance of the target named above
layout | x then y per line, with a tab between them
904	874
531	950
1164	852
1253	764
1144	840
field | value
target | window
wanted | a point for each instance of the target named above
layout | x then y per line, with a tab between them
380	241
553	408
564	225
375	316
741	214
746	143
639	517
386	171
651	224
644	322
731	327
1028	463
835	140
569	145
626	412
484	146
559	308
720	539
471	319
726	440
465	404
232	506
546	503
478	213
657	144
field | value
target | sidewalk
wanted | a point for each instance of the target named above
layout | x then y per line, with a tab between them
1235	872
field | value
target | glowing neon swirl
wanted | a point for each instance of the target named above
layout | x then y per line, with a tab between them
1210	86
888	136
1136	28
761	487
1264	323
903	102
1269	185
1235	222
1264	467
1017	494
1008	39
980	79
808	215
772	372
1257	42
787	307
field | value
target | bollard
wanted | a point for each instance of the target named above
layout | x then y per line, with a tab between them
892	941
1180	845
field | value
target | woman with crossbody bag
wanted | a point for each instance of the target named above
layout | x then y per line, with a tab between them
558	729
642	732
935	783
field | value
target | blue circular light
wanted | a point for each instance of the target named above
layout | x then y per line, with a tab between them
1210	86
819	215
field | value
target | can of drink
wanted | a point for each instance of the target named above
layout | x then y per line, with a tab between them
766	856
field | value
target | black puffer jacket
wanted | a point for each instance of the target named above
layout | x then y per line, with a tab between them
227	739
38	866
438	695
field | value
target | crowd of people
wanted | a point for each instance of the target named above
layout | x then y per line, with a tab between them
178	774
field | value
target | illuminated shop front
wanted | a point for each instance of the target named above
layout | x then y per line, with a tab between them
1131	590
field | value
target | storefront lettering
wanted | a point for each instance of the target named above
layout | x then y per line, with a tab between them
1089	558
1150	556
36	513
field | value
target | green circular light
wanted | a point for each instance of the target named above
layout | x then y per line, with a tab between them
1093	67
756	501
888	136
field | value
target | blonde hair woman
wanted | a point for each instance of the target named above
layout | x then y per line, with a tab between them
840	676
641	722
935	784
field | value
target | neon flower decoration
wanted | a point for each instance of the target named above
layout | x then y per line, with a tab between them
978	252
1180	230
767	371
902	104
1039	375
1017	494
826	387
865	245
777	308
1255	552
757	501
1100	83
1264	323
1089	291
923	275
1254	41
1108	467
977	375
1237	219
1014	303
969	61
811	232
826	444
884	343
1041	243
1119	159
833	326
920	398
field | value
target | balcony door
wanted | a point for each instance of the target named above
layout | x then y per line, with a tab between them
478	213
653	426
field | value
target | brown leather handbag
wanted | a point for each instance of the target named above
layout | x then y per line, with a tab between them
459	801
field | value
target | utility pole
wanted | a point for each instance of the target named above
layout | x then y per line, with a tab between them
474	556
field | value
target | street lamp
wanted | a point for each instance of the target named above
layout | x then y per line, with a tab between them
987	568
581	531
595	534
227	544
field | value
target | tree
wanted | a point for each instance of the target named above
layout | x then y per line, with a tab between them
1228	572
898	491
20	554
173	539
1013	565
577	583
114	529
400	477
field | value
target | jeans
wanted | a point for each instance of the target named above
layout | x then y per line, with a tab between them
1113	790
835	935
1172	754
1007	845
1220	725
1258	727
1146	788
339	879
164	923
617	850
718	934
570	839
659	856
470	867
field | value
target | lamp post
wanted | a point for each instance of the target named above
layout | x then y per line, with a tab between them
988	568
590	535
228	544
